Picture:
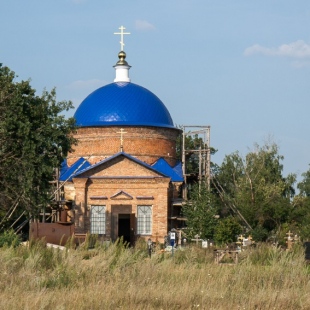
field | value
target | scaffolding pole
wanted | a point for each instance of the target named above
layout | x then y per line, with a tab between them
204	154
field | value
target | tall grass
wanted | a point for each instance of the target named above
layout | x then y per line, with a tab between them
117	277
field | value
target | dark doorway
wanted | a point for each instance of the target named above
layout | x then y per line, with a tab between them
124	227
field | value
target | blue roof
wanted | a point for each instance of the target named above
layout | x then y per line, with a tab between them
174	173
178	169
123	104
63	167
66	173
161	167
115	156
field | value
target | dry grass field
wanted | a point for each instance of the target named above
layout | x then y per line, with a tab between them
115	277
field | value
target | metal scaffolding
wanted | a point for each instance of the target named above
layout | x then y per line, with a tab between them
203	152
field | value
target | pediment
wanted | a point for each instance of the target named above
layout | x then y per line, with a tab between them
121	195
120	167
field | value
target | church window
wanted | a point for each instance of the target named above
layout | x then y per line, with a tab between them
97	220
144	221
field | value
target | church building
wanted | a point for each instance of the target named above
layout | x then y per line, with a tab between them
123	177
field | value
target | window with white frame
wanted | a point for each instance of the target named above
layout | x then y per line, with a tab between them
144	220
97	220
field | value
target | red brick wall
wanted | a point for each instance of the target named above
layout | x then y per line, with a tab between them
135	188
146	143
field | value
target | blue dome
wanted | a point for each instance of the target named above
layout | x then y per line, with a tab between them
123	104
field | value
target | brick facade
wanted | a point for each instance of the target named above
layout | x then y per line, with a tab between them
122	184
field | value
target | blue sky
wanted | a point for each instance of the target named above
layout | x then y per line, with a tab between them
242	67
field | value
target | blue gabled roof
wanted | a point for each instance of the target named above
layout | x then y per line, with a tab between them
68	172
178	169
162	166
123	104
118	155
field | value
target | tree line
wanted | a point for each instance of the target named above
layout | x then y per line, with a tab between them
250	195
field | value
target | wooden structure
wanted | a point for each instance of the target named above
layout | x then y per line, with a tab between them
226	256
291	239
203	152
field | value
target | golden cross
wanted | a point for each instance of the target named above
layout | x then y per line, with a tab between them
122	28
122	140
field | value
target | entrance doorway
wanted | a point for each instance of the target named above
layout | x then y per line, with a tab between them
123	223
124	227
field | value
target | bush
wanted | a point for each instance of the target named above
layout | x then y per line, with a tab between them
259	233
227	230
9	238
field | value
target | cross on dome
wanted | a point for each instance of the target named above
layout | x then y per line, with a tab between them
122	67
122	28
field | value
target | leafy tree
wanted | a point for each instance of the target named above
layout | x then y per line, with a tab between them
200	213
227	230
304	185
193	142
255	187
300	213
259	233
34	139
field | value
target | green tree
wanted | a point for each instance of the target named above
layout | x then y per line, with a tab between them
300	213
304	185
200	213
227	230
192	144
255	187
34	139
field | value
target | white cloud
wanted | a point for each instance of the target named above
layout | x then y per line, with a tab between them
144	25
86	85
298	49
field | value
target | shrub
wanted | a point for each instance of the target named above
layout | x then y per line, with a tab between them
227	230
9	238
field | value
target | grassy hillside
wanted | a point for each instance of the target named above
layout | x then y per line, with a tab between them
113	277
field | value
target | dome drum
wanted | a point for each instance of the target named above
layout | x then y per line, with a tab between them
145	143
